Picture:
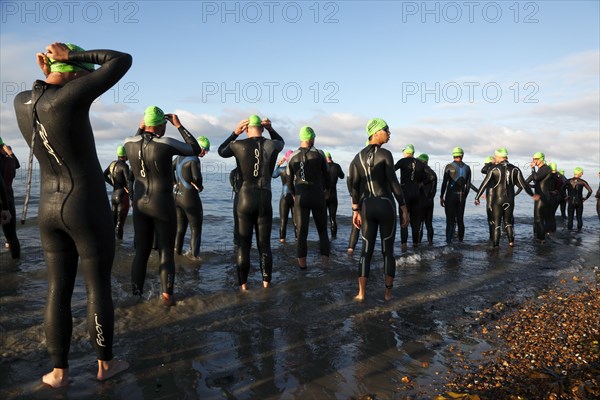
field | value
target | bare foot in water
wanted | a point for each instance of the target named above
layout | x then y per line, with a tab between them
362	285
350	250
387	295
108	369
244	287
281	240
167	299
56	378
359	297
266	284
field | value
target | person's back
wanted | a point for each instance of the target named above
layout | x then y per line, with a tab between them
9	163
456	184
334	173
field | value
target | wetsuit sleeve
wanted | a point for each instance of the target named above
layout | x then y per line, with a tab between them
429	175
113	65
589	189
522	184
340	172
445	181
224	149
189	139
354	183
17	164
124	171
541	173
390	175
484	185
289	178
107	175
324	171
196	174
277	140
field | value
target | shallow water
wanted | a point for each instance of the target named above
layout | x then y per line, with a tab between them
305	338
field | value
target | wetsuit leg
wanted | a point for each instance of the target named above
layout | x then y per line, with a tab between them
415	219
429	222
509	221
563	207
166	228
579	213
10	231
451	206
61	259
283	216
263	235
195	217
123	211
320	216
539	220
570	215
115	201
236	238
368	231
460	216
497	213
490	219
332	206
301	216
143	226
247	216
182	225
387	231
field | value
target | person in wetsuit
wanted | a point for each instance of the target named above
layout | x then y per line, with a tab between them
308	181
414	174
598	199
488	164
374	186
150	155
573	192
188	205
544	182
334	172
9	163
74	214
255	157
120	178
427	200
563	203
235	180
455	186
499	184
286	201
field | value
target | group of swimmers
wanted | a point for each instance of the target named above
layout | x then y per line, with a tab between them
73	212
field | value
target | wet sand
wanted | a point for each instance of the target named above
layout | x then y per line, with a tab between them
304	338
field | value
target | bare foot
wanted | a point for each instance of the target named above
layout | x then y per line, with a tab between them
167	299
302	263
108	369
266	284
244	287
282	240
58	377
387	295
350	250
359	297
404	246
325	261
511	244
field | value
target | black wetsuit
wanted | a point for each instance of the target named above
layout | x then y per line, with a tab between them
4	205
499	186
119	177
286	202
307	180
331	201
153	203
573	191
8	167
255	158
427	195
414	174
374	186
598	201
74	212
544	182
456	185
488	200
188	205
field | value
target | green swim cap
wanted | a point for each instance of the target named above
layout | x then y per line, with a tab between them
306	134
501	152
254	120
154	116
457	152
409	149
488	160
60	66
1	142
327	154
578	170
121	151
204	143
552	166
540	156
423	157
561	171
375	125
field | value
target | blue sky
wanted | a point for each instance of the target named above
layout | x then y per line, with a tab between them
480	75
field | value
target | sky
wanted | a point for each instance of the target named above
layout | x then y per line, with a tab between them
524	75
